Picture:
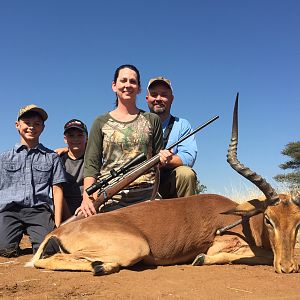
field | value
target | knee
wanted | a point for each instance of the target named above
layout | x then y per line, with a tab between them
186	173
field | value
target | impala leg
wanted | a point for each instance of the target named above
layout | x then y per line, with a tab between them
63	262
225	258
71	262
102	261
232	249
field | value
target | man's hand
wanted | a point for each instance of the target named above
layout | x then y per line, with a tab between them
169	160
165	157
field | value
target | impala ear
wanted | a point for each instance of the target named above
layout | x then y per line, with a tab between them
248	209
295	196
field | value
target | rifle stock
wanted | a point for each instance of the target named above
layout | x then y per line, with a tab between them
132	175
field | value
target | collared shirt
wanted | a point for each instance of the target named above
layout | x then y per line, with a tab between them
187	150
27	176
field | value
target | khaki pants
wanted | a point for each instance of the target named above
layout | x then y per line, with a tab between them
178	182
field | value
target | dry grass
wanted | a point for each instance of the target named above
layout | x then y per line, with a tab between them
242	192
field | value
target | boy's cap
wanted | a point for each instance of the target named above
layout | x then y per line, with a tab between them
163	79
32	107
74	123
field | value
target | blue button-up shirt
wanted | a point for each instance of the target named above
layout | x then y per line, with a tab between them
186	150
27	176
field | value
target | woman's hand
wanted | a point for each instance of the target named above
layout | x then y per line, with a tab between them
87	206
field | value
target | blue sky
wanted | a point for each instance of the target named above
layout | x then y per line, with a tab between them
62	54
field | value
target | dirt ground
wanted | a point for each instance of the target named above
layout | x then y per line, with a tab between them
172	282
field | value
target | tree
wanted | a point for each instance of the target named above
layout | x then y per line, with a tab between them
200	188
292	179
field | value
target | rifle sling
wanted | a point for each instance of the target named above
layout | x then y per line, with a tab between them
168	131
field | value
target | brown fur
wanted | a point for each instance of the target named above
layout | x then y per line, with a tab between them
174	231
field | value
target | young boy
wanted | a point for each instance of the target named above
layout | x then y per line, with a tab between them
75	136
29	173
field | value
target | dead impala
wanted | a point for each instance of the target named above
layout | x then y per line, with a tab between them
183	230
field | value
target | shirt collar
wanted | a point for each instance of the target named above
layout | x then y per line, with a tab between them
19	147
166	122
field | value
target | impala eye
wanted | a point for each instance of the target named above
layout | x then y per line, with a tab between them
267	222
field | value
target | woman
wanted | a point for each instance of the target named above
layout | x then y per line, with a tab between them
118	136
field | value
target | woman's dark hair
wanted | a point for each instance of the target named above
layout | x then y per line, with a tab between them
131	67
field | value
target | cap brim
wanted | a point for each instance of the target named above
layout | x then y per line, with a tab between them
74	127
38	110
159	80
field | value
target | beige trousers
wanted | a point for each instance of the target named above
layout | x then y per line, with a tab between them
178	182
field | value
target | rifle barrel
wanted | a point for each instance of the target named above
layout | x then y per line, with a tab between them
193	132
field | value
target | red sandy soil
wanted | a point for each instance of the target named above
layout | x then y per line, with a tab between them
139	282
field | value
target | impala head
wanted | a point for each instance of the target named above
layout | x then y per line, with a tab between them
281	212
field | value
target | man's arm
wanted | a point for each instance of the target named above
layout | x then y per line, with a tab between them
58	200
169	160
186	152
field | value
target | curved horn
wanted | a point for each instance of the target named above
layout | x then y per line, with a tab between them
256	179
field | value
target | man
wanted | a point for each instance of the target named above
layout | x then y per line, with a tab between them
177	179
30	175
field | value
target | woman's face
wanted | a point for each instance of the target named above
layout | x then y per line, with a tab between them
126	87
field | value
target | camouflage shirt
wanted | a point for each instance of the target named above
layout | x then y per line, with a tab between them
112	143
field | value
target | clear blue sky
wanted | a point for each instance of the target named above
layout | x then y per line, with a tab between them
62	54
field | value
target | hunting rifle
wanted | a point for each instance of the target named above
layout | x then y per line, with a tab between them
132	175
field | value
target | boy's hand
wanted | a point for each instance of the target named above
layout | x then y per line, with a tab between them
61	151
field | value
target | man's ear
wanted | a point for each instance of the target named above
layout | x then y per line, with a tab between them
65	140
172	98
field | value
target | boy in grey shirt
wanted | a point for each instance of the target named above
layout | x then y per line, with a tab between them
75	136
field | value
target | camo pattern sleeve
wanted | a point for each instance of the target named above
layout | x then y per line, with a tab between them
113	143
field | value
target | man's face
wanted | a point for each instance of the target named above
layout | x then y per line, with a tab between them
159	99
76	139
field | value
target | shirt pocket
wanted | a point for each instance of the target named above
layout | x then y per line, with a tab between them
41	173
11	172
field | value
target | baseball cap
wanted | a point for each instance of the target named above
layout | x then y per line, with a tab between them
32	107
162	79
75	123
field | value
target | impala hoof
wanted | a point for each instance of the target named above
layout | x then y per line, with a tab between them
98	268
199	260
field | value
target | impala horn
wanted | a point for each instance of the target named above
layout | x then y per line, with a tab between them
271	196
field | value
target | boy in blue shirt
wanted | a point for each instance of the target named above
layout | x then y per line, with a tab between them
30	173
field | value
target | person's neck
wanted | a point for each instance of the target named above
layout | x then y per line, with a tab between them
163	117
29	144
125	113
128	109
75	154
